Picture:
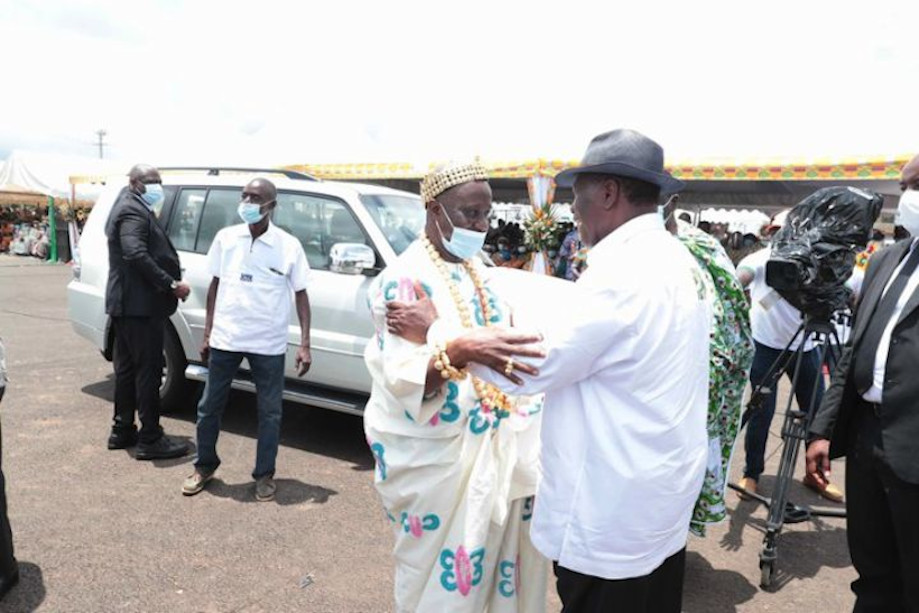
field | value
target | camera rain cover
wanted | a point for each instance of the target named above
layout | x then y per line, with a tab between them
813	254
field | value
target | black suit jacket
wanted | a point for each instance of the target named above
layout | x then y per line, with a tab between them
142	262
900	403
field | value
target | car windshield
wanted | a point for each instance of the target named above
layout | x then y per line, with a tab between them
400	218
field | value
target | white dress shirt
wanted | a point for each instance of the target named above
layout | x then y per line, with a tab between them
875	392
773	320
624	441
252	312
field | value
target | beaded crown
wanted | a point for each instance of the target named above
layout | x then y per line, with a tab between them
444	177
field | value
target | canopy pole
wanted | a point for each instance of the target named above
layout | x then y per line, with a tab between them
52	228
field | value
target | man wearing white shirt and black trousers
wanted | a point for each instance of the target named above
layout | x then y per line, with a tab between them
255	267
870	415
624	441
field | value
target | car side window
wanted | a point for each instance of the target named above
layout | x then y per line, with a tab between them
318	222
199	214
219	212
183	230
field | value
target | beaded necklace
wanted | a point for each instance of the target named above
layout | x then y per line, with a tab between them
490	397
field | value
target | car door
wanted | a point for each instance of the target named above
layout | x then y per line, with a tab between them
197	215
341	325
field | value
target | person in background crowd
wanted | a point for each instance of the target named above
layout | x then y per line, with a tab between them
730	357
569	264
705	227
509	255
456	459
254	267
870	415
9	569
775	323
144	286
742	245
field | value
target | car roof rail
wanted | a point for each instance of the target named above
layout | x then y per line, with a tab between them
216	170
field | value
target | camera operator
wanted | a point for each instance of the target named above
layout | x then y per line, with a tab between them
775	322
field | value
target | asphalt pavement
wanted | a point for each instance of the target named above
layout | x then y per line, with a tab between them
98	531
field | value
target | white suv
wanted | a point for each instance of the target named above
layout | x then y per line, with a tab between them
349	233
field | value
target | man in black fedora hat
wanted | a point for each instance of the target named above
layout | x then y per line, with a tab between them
627	385
624	441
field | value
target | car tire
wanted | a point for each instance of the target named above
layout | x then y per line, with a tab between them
177	393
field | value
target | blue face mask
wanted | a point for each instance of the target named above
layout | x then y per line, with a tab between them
153	195
506	254
464	244
250	213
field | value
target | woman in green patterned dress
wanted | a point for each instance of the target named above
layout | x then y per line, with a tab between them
731	356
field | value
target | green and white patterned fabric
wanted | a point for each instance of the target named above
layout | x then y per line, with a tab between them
731	354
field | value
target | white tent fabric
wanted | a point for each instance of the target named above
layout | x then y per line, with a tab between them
518	213
47	173
737	220
779	219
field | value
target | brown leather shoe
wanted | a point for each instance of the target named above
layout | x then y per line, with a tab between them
749	484
830	491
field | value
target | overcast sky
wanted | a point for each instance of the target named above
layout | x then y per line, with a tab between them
294	82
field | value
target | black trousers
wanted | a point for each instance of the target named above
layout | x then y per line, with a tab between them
659	592
883	524
7	560
138	362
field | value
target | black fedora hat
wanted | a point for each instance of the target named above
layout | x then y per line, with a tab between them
624	153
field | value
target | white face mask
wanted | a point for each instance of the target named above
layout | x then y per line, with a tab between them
662	209
908	211
463	243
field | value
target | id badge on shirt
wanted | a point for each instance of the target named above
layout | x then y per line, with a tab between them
769	300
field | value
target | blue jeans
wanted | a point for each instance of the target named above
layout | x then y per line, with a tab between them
760	419
268	376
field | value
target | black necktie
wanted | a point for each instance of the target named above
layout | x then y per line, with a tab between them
867	350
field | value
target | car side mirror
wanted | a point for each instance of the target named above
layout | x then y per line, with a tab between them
352	259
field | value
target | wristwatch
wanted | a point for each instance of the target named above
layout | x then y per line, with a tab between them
174	285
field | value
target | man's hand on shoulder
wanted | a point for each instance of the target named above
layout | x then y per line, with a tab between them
411	321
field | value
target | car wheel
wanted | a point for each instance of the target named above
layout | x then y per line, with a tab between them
176	392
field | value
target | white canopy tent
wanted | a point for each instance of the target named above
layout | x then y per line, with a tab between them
49	174
518	213
737	220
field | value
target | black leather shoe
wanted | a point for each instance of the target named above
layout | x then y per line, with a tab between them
8	582
122	440
164	448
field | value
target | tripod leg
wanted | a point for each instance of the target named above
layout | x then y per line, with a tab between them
770	380
793	432
789	454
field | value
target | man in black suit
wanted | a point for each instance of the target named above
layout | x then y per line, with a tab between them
9	569
870	414
144	285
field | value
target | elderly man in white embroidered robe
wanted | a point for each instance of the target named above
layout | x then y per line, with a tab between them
455	458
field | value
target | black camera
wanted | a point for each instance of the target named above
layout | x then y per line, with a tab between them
813	254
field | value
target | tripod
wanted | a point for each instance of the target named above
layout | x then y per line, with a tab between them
794	432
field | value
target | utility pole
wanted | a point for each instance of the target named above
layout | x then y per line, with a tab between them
101	143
